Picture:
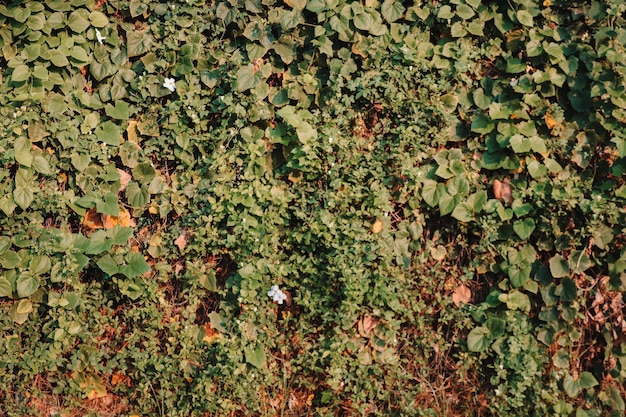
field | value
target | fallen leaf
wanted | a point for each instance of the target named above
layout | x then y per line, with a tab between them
551	122
210	334
377	227
123	219
181	240
461	295
93	219
125	178
131	131
367	324
503	191
295	176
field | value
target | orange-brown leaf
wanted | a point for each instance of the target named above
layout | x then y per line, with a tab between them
181	240
461	295
503	191
93	219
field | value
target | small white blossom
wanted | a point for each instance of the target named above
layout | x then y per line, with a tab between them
99	37
170	84
277	294
513	82
330	140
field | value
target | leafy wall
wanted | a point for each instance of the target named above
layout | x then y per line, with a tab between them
438	187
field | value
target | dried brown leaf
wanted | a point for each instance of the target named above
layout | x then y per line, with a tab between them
461	295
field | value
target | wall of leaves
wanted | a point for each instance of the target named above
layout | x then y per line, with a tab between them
437	187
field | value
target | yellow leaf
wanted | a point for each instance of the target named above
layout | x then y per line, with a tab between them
123	219
131	131
551	122
377	227
210	334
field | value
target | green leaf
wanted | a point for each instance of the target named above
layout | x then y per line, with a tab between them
20	73
207	281
525	18
22	148
392	10
567	290
137	196
138	42
516	300
524	228
571	386
109	206
587	380
515	66
558	266
561	359
77	21
464	11
109	133
6	289
520	144
478	339
248	78
23	196
27	284
98	19
39	264
59	59
579	261
482	124
79	54
136	265
108	265
9	259
256	357
431	192
121	110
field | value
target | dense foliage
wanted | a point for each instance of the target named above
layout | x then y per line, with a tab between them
436	188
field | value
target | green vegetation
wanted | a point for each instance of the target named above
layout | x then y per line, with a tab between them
437	189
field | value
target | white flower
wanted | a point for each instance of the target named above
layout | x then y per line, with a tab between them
170	84
277	294
99	37
513	82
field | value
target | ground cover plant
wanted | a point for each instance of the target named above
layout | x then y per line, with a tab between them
325	207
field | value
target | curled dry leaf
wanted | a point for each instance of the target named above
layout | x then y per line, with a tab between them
503	191
461	295
367	324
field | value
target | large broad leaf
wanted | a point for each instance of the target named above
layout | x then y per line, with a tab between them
248	77
27	284
23	196
136	265
558	266
478	339
108	265
109	133
524	228
392	10
579	261
5	288
525	18
256	357
20	73
121	110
